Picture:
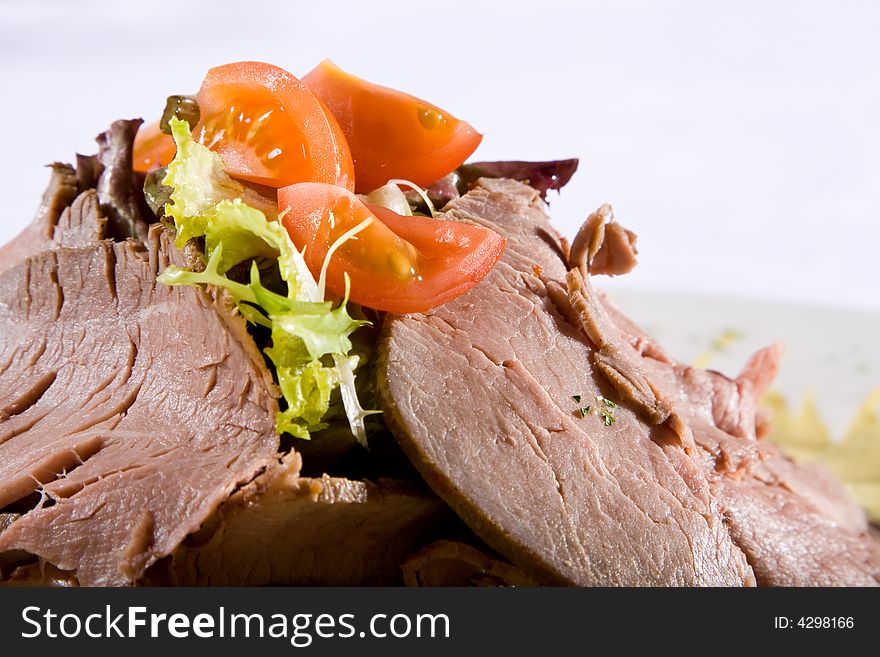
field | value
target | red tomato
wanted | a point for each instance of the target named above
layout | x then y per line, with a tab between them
398	264
269	128
392	134
152	148
265	124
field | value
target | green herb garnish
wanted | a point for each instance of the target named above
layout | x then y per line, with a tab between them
608	417
577	399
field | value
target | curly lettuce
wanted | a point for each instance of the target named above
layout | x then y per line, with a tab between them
310	345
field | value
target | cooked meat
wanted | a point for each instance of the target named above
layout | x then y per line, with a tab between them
59	194
608	247
130	408
40	574
450	563
796	523
6	519
574	446
81	224
138	443
99	198
490	421
789	538
291	530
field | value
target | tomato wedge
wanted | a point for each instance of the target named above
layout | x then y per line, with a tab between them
152	148
396	263
266	125
269	128
392	134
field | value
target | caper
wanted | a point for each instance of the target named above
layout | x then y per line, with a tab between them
185	108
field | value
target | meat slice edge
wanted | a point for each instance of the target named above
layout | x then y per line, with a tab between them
37	236
101	197
452	563
284	529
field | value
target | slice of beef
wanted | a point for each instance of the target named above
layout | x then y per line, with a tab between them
352	531
284	529
489	419
667	483
38	236
101	197
796	523
39	573
131	409
451	563
81	224
787	532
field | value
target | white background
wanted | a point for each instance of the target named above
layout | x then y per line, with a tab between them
741	140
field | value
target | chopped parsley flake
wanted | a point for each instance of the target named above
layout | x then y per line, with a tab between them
606	413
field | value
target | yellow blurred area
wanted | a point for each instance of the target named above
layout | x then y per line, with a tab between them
855	458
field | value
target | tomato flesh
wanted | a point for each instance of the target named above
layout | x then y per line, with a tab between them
152	148
392	134
265	124
269	128
397	264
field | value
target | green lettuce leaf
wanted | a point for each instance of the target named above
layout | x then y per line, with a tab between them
243	233
199	180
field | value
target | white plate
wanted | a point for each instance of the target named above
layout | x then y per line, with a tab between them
830	352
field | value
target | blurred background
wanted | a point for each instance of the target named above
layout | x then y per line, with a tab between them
741	141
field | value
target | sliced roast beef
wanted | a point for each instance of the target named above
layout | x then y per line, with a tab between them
779	517
796	523
574	446
452	563
39	574
99	198
492	419
284	529
131	409
38	236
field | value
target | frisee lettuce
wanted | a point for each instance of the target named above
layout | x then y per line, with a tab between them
423	194
199	181
310	346
392	197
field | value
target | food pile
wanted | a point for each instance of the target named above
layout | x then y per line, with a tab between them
286	335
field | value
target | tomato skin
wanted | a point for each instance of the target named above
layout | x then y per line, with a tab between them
269	128
345	176
392	134
397	264
152	148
